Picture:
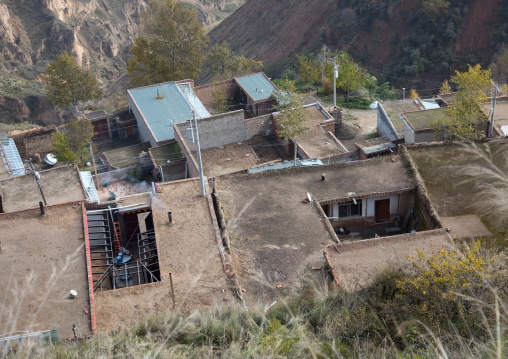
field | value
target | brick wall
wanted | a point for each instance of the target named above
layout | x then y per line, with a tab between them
37	141
215	131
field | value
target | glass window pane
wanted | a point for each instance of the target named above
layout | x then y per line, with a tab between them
343	210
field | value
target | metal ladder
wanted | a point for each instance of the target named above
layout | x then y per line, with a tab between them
118	237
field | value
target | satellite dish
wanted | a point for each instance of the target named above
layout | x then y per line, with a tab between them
50	159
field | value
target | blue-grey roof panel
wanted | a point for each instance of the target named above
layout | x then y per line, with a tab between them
161	109
257	86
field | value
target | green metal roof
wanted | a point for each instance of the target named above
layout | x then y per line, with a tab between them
161	106
257	86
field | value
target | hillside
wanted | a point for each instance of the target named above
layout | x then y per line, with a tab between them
401	39
97	32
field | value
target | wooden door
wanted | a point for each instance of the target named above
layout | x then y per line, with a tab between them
382	208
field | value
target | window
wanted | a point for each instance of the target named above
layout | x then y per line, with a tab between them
350	209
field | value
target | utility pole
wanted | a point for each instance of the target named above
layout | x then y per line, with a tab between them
36	177
491	130
335	75
201	179
403	93
94	167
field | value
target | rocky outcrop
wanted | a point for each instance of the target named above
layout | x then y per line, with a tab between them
98	33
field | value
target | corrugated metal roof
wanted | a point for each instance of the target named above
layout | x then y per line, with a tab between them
430	104
288	164
162	105
191	97
86	177
11	158
257	86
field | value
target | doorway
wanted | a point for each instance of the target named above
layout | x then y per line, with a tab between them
382	210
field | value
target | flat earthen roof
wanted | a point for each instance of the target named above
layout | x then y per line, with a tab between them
274	235
359	262
238	156
42	260
187	249
315	140
59	185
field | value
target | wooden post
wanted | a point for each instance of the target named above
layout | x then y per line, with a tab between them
172	290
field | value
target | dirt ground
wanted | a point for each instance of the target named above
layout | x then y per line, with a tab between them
359	262
187	249
42	259
59	185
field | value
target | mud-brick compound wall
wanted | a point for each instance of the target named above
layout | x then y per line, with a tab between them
384	124
192	166
36	141
260	126
424	210
205	92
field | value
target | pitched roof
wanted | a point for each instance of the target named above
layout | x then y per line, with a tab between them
257	86
163	104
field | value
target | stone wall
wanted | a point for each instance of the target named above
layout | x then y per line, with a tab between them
36	141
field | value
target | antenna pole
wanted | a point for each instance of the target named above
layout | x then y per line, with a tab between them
35	174
491	130
94	166
201	179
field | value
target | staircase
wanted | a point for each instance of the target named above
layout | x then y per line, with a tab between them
101	248
147	246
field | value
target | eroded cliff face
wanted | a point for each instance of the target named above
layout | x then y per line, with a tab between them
98	33
393	36
32	32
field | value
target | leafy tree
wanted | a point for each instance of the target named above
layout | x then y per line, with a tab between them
72	144
463	117
67	84
171	45
291	114
223	60
445	87
499	65
435	9
351	75
221	99
309	69
413	94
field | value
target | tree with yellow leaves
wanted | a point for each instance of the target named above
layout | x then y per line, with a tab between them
438	282
445	87
462	119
